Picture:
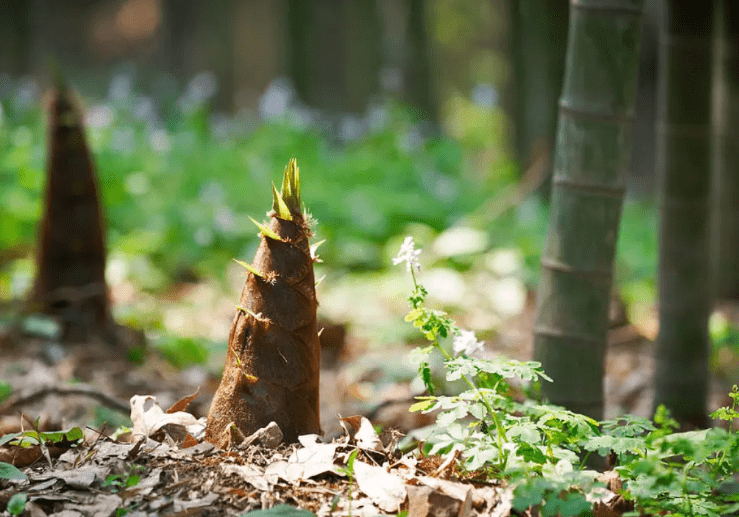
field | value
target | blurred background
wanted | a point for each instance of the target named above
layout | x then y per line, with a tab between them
428	118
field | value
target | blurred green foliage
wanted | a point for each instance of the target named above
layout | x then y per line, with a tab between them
182	352
5	391
178	192
179	189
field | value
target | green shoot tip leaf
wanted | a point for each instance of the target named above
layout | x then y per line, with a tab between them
291	185
279	206
249	268
267	232
249	312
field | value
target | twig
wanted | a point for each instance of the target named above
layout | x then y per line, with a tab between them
106	400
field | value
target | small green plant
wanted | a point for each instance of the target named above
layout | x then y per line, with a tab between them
124	480
349	471
17	503
72	437
496	435
541	449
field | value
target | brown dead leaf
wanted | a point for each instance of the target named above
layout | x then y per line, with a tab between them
189	441
424	501
351	424
181	405
21	456
608	502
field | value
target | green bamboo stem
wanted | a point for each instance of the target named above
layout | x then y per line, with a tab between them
725	227
684	163
591	160
539	47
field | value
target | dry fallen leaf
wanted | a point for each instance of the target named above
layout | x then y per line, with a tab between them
148	418
252	475
362	431
386	490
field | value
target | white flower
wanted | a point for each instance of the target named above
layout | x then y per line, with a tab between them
465	342
408	254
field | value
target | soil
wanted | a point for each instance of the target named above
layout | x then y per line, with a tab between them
58	387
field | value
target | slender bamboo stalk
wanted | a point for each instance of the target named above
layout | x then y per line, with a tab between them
539	46
684	163
591	160
725	228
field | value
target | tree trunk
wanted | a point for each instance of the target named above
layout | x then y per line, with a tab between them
363	57
317	52
335	53
725	237
592	156
684	162
260	52
70	281
418	82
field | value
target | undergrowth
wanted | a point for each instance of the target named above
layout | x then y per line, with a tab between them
543	450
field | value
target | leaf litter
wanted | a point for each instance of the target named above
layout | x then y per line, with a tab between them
164	467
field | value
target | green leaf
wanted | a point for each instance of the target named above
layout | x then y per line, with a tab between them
112	480
73	435
413	315
422	405
279	206
28	438
531	453
17	503
281	510
426	376
8	471
529	494
724	413
627	426
351	459
8	438
569	503
266	231
618	444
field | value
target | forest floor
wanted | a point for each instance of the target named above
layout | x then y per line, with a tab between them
89	386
